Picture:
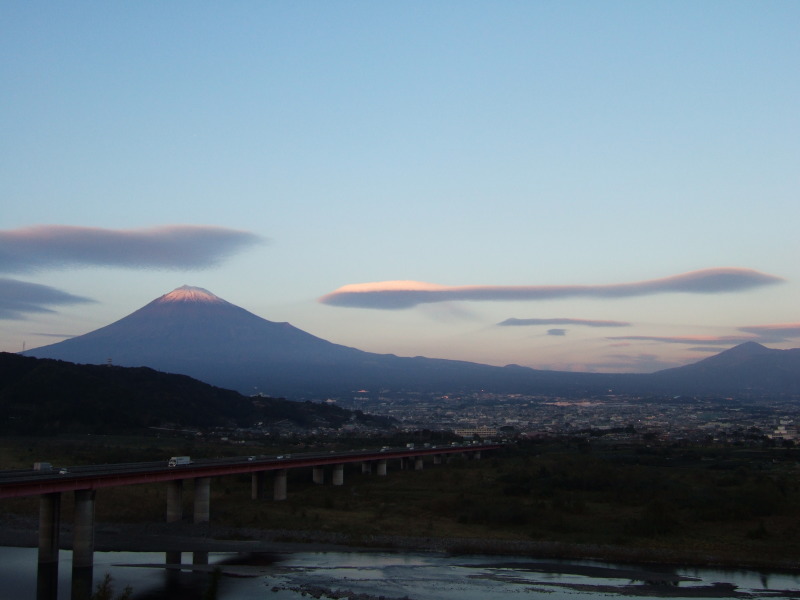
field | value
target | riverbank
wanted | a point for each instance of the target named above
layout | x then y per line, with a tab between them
18	531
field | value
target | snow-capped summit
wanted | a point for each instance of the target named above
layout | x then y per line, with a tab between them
190	293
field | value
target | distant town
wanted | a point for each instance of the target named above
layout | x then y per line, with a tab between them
678	420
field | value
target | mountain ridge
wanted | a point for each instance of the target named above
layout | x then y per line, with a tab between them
40	396
194	332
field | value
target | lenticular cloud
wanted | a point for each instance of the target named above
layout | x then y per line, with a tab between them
173	247
20	297
393	295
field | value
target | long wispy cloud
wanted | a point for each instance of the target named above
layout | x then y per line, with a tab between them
779	330
772	333
18	298
170	247
49	247
394	295
710	340
562	321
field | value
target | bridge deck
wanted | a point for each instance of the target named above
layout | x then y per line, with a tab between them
32	483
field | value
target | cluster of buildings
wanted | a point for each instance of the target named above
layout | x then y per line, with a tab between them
487	415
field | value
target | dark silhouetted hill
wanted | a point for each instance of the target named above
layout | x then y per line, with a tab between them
44	397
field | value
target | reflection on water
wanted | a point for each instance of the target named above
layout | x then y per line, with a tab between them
369	576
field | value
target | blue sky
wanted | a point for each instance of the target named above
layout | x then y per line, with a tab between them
276	152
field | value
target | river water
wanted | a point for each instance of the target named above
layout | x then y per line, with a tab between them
390	576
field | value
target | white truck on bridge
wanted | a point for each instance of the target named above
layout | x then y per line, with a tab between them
177	461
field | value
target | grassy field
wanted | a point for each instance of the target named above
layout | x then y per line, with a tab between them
735	505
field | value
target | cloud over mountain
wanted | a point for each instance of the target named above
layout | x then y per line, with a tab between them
394	295
774	332
779	332
170	247
19	297
687	339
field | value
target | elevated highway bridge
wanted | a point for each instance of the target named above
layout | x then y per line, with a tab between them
84	481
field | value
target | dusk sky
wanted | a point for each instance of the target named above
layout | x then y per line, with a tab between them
594	186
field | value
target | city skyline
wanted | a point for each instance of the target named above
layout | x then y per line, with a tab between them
574	186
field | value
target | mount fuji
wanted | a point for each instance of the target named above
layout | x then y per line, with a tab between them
191	331
194	332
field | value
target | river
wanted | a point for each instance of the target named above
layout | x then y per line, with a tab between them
391	576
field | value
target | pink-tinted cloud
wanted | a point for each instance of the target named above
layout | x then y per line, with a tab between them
638	363
171	247
393	295
704	349
18	298
687	339
775	332
587	322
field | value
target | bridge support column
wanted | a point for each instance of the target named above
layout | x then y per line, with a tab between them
173	557
366	468
49	529
476	455
318	475
279	486
83	545
437	459
202	499
338	475
258	482
403	464
418	463
174	500
382	467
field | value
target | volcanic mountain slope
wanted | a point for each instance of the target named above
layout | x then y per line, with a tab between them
193	332
747	369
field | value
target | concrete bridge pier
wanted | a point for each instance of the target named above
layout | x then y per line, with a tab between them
381	467
437	459
174	500
202	499
172	575
279	485
258	483
338	475
173	557
366	468
83	545
476	455
318	475
418	463
49	530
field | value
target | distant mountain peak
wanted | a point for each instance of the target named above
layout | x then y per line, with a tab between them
189	293
747	348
